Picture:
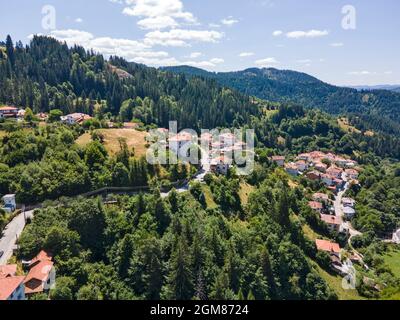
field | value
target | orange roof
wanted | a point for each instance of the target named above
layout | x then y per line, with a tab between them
36	276
9	285
8	271
7	108
324	245
320	196
315	205
42	256
183	136
278	158
331	219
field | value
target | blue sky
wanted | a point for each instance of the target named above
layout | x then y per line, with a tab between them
227	35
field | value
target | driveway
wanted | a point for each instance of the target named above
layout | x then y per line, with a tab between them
10	235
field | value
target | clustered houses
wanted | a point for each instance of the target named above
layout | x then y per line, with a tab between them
219	149
329	168
75	118
41	278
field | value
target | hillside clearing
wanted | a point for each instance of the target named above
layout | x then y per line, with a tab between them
135	139
392	259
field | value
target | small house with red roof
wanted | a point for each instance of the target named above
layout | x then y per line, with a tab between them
8	112
333	222
42	274
12	288
329	247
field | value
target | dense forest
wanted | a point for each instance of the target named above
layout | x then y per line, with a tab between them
48	75
380	109
212	242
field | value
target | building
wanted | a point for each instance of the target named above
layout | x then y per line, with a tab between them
12	288
321	197
220	165
292	169
313	175
329	247
316	206
333	222
8	112
327	179
41	276
351	174
335	172
322	167
7	271
348	202
227	139
181	143
279	160
75	118
301	165
349	213
10	204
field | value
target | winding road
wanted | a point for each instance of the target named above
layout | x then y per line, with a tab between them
11	234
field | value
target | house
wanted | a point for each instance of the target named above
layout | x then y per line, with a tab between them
75	118
317	206
181	143
9	203
12	288
327	179
321	197
227	139
349	212
41	276
348	202
351	174
292	169
8	112
333	222
327	246
279	160
220	165
42	116
335	172
8	271
313	175
304	157
301	165
321	167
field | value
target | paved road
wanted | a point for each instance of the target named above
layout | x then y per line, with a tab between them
10	235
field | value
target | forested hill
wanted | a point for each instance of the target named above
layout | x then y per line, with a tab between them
47	75
380	108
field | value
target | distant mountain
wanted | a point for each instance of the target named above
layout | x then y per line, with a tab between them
389	87
380	109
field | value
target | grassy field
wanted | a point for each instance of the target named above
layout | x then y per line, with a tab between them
310	233
2	134
244	192
335	283
344	124
209	198
392	259
135	139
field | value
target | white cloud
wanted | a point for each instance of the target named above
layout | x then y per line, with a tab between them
217	60
195	55
181	37
78	20
306	61
157	23
214	25
362	73
246	54
277	33
307	34
266	62
337	44
230	21
388	72
158	14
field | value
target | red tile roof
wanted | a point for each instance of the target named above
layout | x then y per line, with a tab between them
8	271
36	276
315	205
324	245
9	285
42	256
7	108
331	219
